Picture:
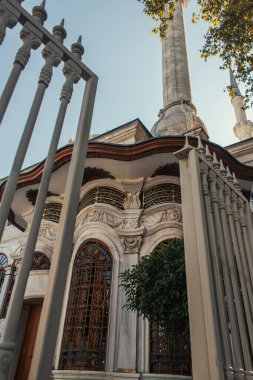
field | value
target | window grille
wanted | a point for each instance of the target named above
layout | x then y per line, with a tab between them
166	357
52	211
164	193
104	194
85	332
40	261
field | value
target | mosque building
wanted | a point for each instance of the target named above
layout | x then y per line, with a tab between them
130	202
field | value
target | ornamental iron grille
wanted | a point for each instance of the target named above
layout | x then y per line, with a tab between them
105	194
40	261
167	357
85	332
52	212
163	193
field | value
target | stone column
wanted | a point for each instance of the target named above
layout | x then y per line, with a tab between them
131	238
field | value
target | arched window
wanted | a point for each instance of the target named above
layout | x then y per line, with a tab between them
172	356
86	323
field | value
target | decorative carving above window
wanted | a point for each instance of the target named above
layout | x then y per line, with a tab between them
32	194
163	193
104	194
85	332
40	261
90	174
52	211
165	357
168	169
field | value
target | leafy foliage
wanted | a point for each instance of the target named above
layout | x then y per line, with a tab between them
229	34
156	288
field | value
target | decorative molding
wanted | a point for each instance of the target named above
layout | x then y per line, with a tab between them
173	214
32	194
132	200
47	233
131	244
131	240
99	216
125	153
91	174
171	169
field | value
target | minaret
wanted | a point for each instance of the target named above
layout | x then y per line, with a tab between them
178	114
243	128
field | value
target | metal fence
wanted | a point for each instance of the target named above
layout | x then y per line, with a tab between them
33	34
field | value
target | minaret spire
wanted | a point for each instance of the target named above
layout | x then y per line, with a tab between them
178	114
243	128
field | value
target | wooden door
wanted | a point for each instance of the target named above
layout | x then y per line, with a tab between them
26	353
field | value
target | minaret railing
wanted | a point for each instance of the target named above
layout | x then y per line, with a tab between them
217	224
33	34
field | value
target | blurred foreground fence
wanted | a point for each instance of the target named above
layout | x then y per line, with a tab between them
33	34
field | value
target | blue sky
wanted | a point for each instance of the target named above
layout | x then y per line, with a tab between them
121	50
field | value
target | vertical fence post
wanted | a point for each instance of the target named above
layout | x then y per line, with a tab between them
48	327
204	332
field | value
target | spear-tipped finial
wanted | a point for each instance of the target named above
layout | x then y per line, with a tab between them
200	148
77	48
235	182
223	171
59	31
208	155
216	163
39	12
229	176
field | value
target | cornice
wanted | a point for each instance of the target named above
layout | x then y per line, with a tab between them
168	144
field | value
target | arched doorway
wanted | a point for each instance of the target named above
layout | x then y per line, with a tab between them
85	330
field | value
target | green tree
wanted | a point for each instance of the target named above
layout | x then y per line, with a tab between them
156	289
229	34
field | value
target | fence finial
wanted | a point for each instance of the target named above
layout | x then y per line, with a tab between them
223	171
235	182
200	146
216	163
208	155
229	176
77	48
59	31
39	12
